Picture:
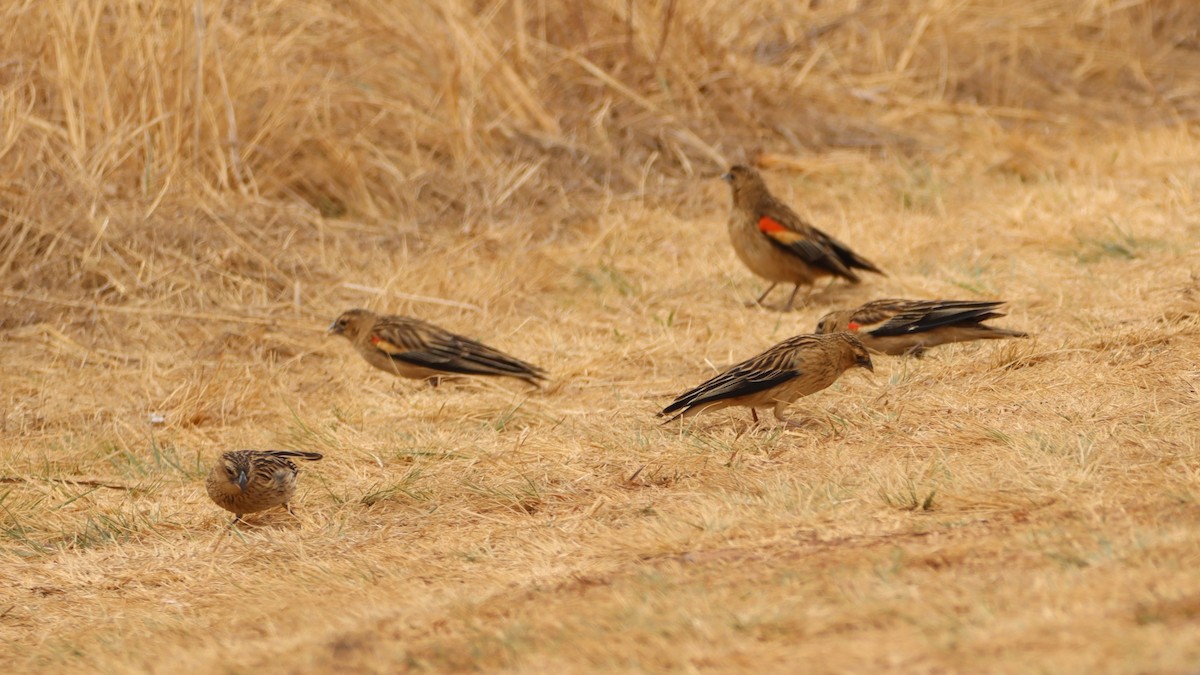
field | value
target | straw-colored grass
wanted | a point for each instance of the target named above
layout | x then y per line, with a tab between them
190	192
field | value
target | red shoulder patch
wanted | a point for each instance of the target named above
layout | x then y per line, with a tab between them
769	225
854	326
375	339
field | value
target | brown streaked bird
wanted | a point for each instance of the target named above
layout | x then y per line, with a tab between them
794	368
245	481
777	245
897	327
413	348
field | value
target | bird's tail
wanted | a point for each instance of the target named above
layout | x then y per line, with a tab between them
298	454
1008	332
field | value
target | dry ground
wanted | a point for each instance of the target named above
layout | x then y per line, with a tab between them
1030	505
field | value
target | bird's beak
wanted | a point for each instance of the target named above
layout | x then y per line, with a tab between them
865	362
728	178
334	329
242	479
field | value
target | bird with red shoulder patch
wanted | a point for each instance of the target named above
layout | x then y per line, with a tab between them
778	245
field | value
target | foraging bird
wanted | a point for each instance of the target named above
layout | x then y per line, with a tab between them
911	326
794	368
245	481
778	245
413	348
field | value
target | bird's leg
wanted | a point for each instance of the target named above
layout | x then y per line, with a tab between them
754	415
289	509
779	408
792	299
237	517
765	293
787	421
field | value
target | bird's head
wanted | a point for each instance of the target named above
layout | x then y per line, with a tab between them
834	322
237	470
351	323
746	183
858	354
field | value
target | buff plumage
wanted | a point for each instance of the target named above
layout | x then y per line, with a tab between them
778	245
790	370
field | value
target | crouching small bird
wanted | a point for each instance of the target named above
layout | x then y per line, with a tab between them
415	349
776	243
911	326
792	369
246	481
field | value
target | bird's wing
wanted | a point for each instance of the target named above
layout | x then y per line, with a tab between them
876	313
431	347
730	384
265	464
786	231
848	257
919	316
758	373
296	454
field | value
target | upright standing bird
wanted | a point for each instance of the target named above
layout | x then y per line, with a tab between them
912	326
778	245
794	368
413	348
245	481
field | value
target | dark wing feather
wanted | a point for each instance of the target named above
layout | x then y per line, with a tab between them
921	316
269	461
730	384
400	335
768	369
811	244
296	454
848	257
786	231
431	347
879	311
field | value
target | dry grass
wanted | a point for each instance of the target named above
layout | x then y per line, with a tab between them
190	192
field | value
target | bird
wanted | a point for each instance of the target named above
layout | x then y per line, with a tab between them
416	349
246	481
778	245
896	327
794	368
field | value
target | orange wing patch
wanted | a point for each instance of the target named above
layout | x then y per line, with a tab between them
854	326
768	225
384	346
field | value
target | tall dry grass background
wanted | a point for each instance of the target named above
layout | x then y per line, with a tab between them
190	192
